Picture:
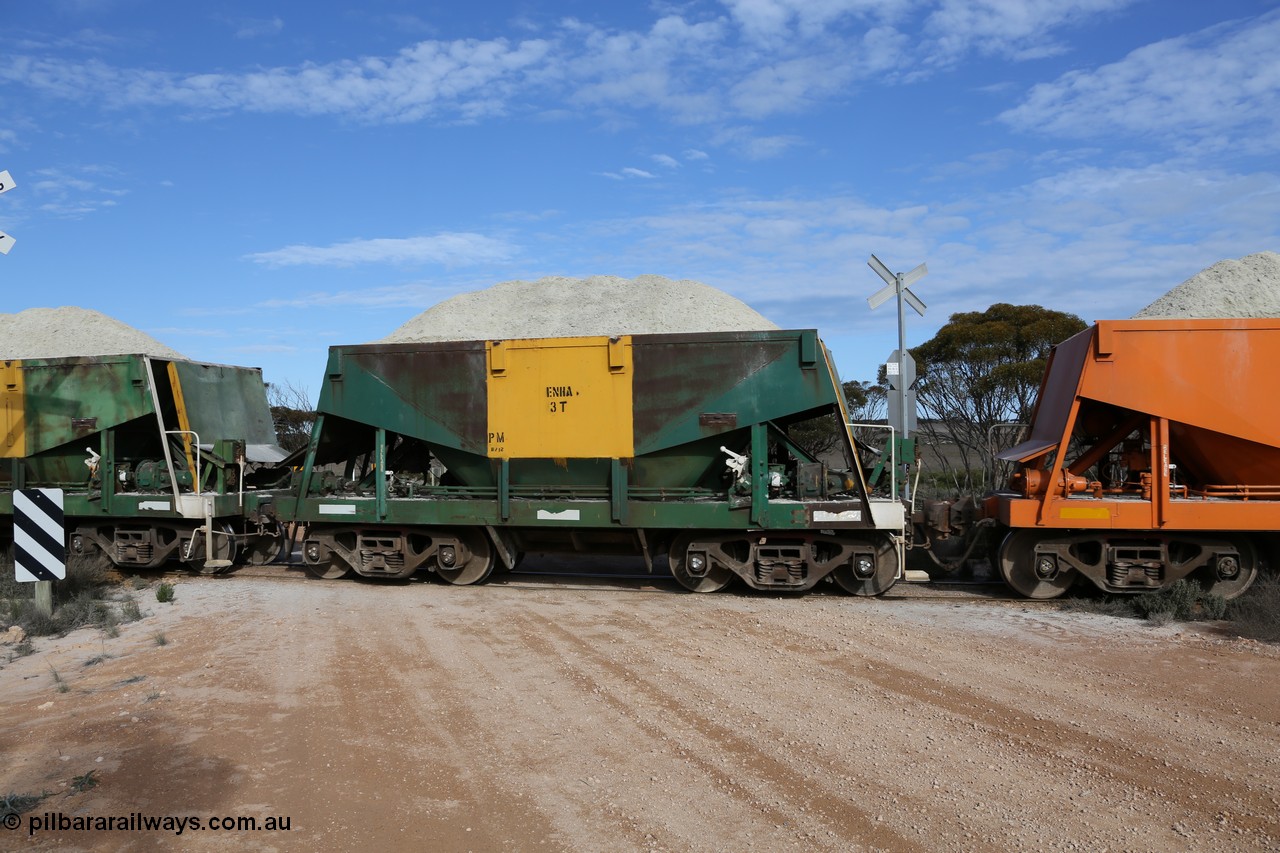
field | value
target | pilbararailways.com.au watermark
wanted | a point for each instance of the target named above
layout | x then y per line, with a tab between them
139	822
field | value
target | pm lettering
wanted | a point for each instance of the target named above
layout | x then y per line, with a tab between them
497	442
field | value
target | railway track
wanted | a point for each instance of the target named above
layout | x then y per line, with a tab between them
618	576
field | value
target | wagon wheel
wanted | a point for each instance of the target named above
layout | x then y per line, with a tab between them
267	548
91	559
330	570
475	569
1029	576
224	551
715	578
1228	576
323	561
870	576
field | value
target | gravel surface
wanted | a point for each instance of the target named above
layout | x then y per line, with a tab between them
70	331
1249	287
568	307
539	714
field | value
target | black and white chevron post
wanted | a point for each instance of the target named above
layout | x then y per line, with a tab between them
39	538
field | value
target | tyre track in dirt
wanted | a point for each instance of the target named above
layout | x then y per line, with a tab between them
809	815
562	716
403	715
1112	770
1119	756
490	703
538	717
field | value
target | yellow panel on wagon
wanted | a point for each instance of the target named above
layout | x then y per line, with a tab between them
13	419
560	398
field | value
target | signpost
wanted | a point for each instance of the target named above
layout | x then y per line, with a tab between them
901	367
6	184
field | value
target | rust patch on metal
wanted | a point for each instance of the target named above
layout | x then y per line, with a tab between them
724	420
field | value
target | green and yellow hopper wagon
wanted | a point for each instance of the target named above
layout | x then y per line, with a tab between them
456	457
155	456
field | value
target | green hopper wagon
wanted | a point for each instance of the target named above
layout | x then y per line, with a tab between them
154	456
456	457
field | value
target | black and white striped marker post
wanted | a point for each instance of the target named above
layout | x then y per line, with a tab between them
39	542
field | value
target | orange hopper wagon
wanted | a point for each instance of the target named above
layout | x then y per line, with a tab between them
1153	455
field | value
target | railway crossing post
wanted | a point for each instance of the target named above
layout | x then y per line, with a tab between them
6	184
39	542
901	367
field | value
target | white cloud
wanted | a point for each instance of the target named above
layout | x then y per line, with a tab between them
627	173
264	349
259	27
664	67
750	146
944	31
764	20
1100	242
76	193
688	69
1019	29
413	295
759	59
976	164
449	249
465	78
1217	88
665	160
788	86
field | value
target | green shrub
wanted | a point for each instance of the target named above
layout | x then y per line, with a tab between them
130	611
1183	601
19	803
84	574
1094	600
1256	614
34	622
82	610
164	593
1212	606
80	784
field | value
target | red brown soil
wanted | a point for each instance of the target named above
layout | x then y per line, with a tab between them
625	715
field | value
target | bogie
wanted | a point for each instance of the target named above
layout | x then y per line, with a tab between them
1045	564
784	561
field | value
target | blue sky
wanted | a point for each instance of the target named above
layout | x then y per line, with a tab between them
251	182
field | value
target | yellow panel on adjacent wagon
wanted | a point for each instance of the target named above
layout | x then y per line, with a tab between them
13	419
560	398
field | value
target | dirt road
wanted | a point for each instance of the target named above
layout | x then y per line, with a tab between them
628	716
